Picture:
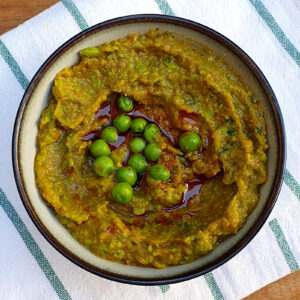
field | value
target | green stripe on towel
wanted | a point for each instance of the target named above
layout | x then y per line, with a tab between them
277	31
13	65
165	7
11	212
291	182
164	288
212	284
75	13
33	247
283	245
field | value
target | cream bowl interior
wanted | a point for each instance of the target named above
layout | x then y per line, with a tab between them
27	149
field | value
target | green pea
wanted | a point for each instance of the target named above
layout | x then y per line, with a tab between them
99	148
152	152
122	192
138	125
125	104
103	165
90	52
122	123
137	145
189	141
126	174
151	133
160	172
109	134
138	163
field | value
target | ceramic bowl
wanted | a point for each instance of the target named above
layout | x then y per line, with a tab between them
36	97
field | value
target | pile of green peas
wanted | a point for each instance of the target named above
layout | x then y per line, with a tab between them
126	177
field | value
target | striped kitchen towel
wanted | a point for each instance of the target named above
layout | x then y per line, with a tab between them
269	32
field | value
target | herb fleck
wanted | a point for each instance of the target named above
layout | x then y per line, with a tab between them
230	132
234	98
204	67
182	159
189	100
252	99
258	130
230	121
224	150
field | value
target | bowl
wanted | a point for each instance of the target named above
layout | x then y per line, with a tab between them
36	97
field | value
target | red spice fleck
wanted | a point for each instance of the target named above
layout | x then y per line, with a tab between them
76	197
176	217
162	219
127	224
138	222
70	171
111	229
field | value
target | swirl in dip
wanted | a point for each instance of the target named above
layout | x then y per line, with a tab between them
187	197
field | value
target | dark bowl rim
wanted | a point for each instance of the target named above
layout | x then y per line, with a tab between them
140	18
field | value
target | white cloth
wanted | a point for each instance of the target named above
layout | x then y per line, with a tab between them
273	253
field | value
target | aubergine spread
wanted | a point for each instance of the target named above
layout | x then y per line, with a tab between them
151	150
